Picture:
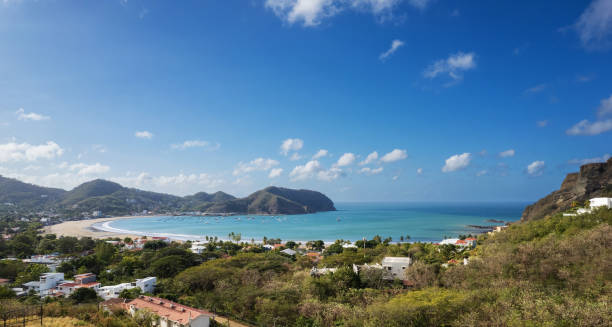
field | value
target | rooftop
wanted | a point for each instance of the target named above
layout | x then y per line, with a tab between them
165	308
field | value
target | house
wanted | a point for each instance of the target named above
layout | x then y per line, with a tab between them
146	285
169	314
4	282
45	284
321	271
268	247
601	202
289	252
198	247
85	278
314	256
396	266
69	287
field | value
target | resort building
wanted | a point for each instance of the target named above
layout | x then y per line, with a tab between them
396	266
600	202
45	284
169	314
289	252
146	285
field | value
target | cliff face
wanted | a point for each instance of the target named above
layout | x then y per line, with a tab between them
593	180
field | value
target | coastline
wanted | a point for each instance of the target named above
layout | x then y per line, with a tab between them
85	228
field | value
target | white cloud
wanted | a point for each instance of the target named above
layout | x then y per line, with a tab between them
320	154
394	155
457	162
454	65
196	144
330	174
507	153
22	115
536	89
26	152
542	123
482	173
420	171
259	164
295	156
585	127
291	145
396	44
371	171
85	169
275	172
370	158
99	148
594	26
536	168
420	4
346	159
605	107
305	171
144	135
178	182
312	12
396	177
585	161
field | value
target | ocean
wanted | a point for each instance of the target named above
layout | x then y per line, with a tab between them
427	222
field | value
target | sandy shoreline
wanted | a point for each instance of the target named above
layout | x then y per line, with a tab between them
83	228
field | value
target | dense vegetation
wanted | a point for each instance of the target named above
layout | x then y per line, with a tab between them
549	272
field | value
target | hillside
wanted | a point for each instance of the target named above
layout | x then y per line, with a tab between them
276	200
593	180
113	199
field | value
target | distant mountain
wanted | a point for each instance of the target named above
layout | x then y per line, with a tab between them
113	199
593	180
276	200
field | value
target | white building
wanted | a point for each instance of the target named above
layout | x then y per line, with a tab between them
46	283
396	266
289	252
601	202
198	247
146	285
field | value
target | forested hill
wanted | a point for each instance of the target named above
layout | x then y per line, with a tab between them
113	199
593	180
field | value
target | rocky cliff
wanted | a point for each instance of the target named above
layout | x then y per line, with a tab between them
593	180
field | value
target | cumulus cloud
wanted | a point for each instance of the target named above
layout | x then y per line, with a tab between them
536	168
605	107
291	145
394	155
22	115
330	174
601	125
395	44
196	144
372	157
585	127
457	162
144	135
320	154
85	169
259	164
275	172
311	13
26	152
371	171
346	159
454	66
305	171
295	156
180	182
507	153
585	161
594	26
419	171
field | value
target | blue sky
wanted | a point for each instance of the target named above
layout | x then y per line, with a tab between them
460	100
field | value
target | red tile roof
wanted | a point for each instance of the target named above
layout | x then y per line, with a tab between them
461	242
165	308
470	239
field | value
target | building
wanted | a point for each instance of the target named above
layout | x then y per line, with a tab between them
85	278
45	284
146	285
289	252
4	282
322	271
69	287
396	266
600	202
170	314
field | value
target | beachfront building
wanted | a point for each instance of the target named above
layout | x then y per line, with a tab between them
600	202
289	252
198	247
146	285
168	313
45	283
396	266
468	242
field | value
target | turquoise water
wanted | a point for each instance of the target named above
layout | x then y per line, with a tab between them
352	221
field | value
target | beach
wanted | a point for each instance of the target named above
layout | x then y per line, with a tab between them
83	228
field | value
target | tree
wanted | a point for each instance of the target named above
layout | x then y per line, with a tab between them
291	245
155	245
104	252
315	245
84	294
6	293
131	293
32	272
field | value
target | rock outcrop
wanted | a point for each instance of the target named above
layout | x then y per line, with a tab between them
593	180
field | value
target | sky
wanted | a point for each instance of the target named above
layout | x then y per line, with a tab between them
363	100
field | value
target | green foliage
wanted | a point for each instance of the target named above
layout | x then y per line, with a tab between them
131	293
84	295
32	272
